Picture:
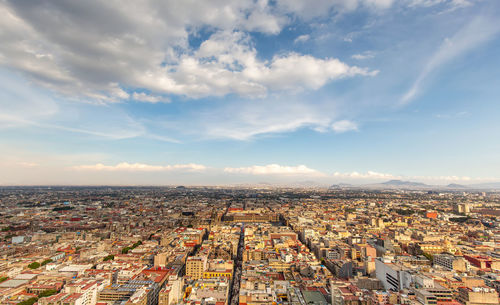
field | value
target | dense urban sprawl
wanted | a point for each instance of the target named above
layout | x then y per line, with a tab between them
247	246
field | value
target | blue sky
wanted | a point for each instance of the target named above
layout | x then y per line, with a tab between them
230	92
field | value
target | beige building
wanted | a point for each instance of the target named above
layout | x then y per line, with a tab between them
171	293
140	297
195	266
161	260
477	296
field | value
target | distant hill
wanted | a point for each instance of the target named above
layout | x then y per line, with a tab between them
340	185
404	183
456	186
389	185
401	184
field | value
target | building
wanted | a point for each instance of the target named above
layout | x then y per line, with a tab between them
451	262
195	266
160	260
219	268
483	262
209	291
114	294
431	296
348	295
314	298
477	296
421	248
463	208
172	292
393	277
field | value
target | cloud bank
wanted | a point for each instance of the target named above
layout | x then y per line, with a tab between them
274	169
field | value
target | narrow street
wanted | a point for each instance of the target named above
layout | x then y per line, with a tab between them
234	292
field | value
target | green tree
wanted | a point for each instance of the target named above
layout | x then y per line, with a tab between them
45	262
34	265
109	257
428	256
29	301
47	293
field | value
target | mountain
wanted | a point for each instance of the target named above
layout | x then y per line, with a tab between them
341	185
412	185
456	186
402	183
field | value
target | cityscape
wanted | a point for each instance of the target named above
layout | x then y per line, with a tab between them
249	152
204	245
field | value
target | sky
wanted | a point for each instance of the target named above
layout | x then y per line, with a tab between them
228	92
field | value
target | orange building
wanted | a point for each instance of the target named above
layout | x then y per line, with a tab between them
432	215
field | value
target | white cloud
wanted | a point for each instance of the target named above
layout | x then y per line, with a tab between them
379	4
363	56
309	9
140	167
344	126
450	3
228	63
145	46
33	108
302	38
295	71
121	48
247	119
367	175
475	33
144	97
274	169
262	20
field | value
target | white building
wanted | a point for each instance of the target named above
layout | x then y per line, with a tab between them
392	276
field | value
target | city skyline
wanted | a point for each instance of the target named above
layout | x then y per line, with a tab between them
249	92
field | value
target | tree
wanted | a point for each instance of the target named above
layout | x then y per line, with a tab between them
29	301
34	265
47	293
45	262
428	256
460	219
109	257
